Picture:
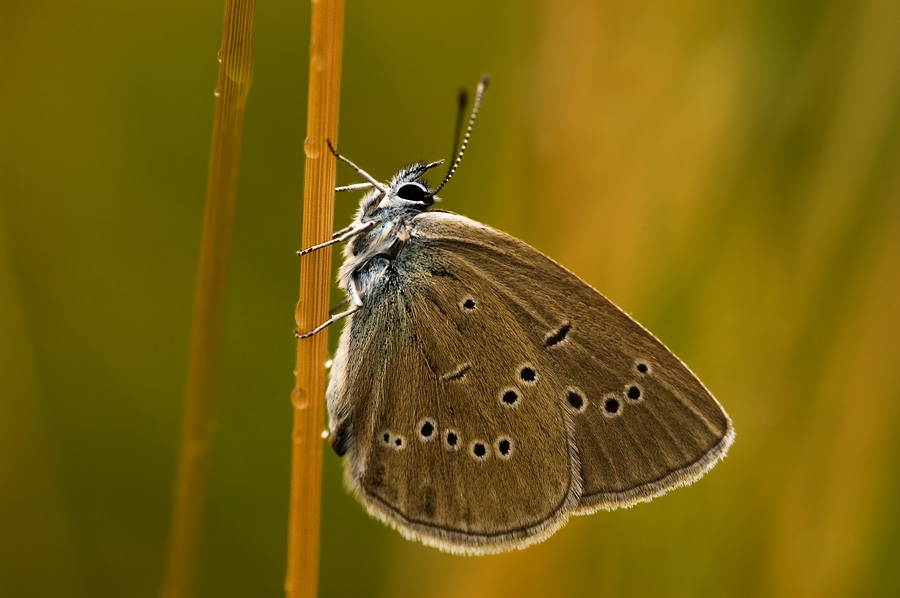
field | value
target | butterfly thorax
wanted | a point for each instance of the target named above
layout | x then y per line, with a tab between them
368	255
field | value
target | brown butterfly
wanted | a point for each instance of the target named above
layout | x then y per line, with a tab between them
482	393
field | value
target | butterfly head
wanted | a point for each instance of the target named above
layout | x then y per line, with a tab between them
407	191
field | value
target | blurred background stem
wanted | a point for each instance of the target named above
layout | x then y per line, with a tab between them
312	309
235	75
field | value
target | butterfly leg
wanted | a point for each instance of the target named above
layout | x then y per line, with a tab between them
340	238
338	306
353	187
357	304
328	322
344	230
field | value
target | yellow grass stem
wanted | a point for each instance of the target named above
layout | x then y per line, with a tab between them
312	308
235	74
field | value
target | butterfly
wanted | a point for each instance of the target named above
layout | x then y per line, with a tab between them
481	393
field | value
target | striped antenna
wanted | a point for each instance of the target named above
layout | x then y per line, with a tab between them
479	94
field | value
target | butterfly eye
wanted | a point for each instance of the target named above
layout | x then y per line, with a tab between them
415	192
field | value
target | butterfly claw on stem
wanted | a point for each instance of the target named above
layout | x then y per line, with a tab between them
327	323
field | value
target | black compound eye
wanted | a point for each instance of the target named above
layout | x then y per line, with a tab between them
414	192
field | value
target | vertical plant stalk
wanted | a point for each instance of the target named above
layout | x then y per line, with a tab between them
312	308
235	74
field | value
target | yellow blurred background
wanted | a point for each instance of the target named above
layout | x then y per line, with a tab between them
729	173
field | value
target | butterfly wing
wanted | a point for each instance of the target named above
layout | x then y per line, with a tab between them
641	421
484	393
441	436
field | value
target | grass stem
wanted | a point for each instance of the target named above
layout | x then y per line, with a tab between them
235	75
312	308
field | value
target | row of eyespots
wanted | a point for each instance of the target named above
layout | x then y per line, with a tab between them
578	403
393	441
510	395
478	449
612	405
503	446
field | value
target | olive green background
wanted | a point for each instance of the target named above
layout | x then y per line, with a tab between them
729	173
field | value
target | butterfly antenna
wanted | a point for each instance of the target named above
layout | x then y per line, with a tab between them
476	105
460	115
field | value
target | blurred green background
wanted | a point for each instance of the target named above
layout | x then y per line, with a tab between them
729	173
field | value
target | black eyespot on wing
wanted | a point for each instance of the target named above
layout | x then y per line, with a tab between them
426	429
575	398
451	440
633	392
504	447
528	374
611	406
642	367
509	397
468	303
479	450
398	442
559	335
415	192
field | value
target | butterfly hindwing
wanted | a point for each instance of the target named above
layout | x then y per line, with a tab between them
444	438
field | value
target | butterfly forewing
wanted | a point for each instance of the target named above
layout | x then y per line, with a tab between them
483	393
640	420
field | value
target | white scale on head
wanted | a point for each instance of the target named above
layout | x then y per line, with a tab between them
481	393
